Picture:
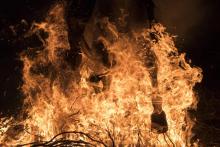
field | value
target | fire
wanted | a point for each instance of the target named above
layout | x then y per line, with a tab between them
62	100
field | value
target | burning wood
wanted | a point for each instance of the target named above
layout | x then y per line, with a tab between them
118	86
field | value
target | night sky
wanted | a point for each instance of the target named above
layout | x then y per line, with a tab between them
195	22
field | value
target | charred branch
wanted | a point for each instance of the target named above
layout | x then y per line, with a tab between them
61	141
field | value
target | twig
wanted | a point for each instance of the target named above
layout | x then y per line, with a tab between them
165	139
70	142
170	139
74	113
110	136
139	138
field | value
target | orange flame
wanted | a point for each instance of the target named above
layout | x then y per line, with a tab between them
64	99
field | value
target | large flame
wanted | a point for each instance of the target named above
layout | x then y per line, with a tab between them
60	99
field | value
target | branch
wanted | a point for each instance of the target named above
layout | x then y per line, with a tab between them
53	141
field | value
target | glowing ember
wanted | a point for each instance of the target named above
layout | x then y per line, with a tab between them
104	106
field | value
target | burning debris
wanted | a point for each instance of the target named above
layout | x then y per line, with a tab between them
115	89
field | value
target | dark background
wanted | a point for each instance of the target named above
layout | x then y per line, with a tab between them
195	22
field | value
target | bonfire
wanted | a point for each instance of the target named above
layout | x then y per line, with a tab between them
139	96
